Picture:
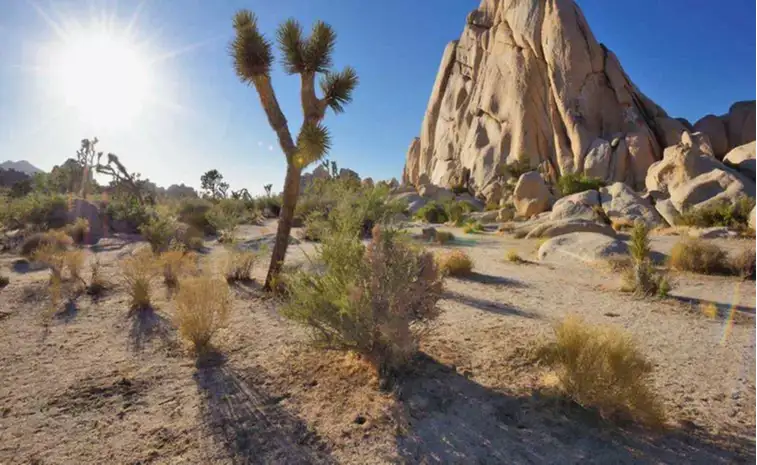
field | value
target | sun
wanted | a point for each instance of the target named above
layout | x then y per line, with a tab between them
103	78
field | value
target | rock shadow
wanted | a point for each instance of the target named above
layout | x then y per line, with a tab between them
448	418
249	422
487	305
477	277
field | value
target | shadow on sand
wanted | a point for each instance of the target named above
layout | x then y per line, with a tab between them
146	324
487	305
249	422
449	418
491	279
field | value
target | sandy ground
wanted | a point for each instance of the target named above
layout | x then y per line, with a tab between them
100	386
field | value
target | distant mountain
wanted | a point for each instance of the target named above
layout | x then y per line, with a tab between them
21	165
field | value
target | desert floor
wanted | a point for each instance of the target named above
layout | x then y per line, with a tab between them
101	386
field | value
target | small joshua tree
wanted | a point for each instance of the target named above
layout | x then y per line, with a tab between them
268	188
85	156
307	56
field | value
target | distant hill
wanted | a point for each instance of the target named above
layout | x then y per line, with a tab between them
21	165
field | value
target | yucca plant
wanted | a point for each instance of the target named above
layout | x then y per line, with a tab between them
307	56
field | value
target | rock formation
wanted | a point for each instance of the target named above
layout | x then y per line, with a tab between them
528	83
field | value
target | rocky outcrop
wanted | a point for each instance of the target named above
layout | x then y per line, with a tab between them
581	205
581	246
531	195
528	84
620	202
320	172
743	159
527	81
690	176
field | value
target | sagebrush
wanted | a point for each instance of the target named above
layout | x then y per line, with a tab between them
203	305
698	256
455	263
139	272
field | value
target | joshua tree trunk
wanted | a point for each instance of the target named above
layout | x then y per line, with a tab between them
286	216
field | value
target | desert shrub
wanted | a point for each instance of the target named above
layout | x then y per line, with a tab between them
743	263
78	230
225	217
73	261
158	232
443	237
698	256
376	300
473	227
512	256
176	264
621	224
455	263
139	272
129	212
491	206
270	205
432	212
4	281
641	277
573	183
733	215
193	212
316	224
203	304
38	211
239	265
97	283
57	239
456	211
601	368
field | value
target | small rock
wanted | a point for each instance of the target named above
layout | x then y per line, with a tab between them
359	420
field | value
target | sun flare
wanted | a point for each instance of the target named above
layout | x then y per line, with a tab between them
103	78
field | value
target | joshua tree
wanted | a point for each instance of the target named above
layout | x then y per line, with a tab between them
267	189
85	156
212	181
120	176
307	56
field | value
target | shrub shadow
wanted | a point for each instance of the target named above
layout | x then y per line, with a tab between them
487	305
723	308
147	324
249	422
491	279
23	266
69	312
448	418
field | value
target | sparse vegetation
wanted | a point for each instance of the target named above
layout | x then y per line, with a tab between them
97	284
512	256
239	265
734	215
203	305
443	237
602	368
78	230
455	211
158	231
377	301
176	264
473	227
56	239
573	183
641	277
455	263
139	272
698	256
432	212
743	263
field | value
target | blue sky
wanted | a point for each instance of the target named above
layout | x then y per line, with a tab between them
692	57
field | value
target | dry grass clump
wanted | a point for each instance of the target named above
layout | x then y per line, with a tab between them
602	368
698	256
175	265
443	237
455	263
139	272
622	224
377	300
97	283
512	256
239	264
642	277
54	238
709	309
203	305
743	263
78	230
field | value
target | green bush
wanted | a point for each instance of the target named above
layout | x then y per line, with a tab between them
159	231
38	211
574	183
641	277
473	227
733	215
456	211
432	212
699	256
269	206
224	218
129	212
374	300
193	212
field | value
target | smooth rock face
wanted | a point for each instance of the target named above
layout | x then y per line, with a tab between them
531	195
690	177
529	81
435	193
474	204
743	159
580	205
581	246
558	228
715	129
668	212
713	233
620	201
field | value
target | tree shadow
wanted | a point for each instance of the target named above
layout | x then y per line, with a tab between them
487	305
448	418
723	308
249	422
477	277
147	324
